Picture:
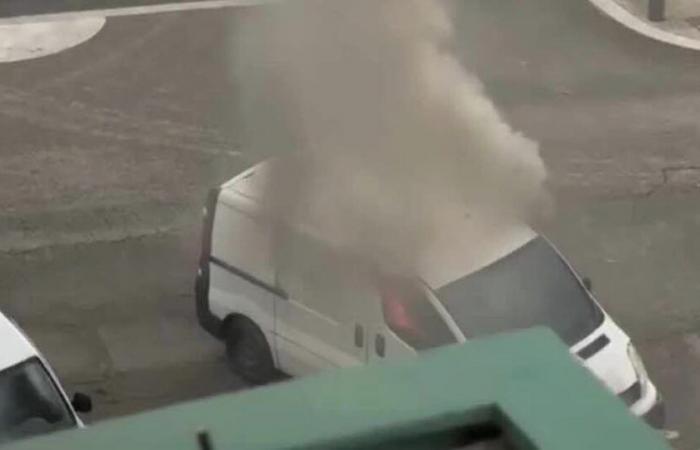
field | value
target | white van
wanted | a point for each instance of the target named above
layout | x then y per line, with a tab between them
290	312
32	400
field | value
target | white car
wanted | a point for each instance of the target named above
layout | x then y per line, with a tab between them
33	401
289	311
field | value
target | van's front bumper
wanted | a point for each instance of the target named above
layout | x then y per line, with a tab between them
651	406
656	416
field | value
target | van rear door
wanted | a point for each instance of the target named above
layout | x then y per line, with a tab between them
206	319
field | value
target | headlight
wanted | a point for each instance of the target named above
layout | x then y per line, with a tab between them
637	362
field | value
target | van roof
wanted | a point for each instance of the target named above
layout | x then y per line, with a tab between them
468	243
249	183
16	347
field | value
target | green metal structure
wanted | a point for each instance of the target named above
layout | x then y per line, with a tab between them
523	389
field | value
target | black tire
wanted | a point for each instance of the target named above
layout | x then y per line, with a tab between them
248	352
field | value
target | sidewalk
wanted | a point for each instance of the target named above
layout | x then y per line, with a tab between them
681	26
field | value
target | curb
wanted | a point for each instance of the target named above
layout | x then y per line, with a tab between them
31	40
76	9
634	23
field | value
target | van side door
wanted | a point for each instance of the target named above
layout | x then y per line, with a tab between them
409	321
315	327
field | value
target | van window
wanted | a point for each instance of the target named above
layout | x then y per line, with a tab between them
410	315
313	274
243	242
530	287
30	403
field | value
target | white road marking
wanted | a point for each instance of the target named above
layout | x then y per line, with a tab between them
22	41
135	10
626	18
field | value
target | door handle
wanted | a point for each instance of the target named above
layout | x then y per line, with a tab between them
380	345
359	336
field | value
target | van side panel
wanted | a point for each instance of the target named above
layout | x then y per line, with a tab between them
243	242
296	360
231	294
242	279
308	341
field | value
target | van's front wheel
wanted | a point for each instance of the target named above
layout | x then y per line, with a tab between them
248	352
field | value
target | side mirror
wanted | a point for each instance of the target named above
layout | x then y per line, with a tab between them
81	402
588	284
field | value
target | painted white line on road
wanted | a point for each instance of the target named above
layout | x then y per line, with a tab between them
629	20
21	41
135	10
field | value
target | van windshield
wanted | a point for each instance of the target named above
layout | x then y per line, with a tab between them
531	286
30	403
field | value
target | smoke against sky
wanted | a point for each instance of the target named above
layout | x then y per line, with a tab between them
397	139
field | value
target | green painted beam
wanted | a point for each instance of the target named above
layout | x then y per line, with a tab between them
527	383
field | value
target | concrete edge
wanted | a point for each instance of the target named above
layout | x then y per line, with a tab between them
163	7
629	20
25	41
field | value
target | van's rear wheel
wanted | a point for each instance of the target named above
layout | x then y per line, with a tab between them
248	352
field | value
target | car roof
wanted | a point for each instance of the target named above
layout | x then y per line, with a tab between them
16	347
466	243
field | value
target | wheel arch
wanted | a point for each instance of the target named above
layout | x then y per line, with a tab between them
232	319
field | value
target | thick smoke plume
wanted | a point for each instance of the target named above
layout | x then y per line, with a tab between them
398	142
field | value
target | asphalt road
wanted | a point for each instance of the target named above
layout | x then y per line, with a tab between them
108	149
